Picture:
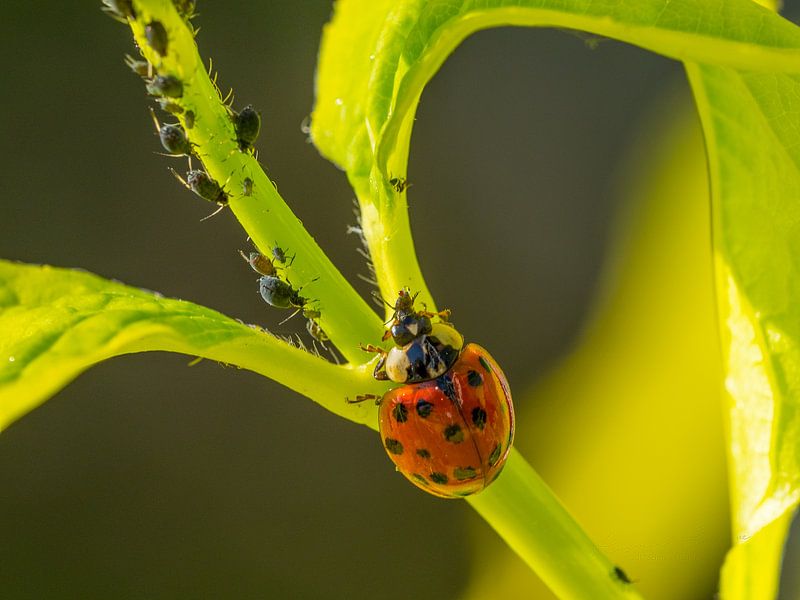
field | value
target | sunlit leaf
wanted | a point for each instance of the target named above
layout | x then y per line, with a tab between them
743	62
56	323
752	126
377	56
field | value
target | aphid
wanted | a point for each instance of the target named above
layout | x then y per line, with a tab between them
141	67
173	138
247	125
316	332
619	574
278	293
156	36
204	186
259	263
169	106
400	184
247	187
168	86
188	119
119	10
450	426
281	256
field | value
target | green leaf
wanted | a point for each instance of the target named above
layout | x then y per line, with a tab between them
752	128
377	56
56	323
743	62
752	567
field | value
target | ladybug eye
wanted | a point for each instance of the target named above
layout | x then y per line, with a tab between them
401	335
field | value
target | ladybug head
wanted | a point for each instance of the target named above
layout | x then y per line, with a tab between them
404	304
407	324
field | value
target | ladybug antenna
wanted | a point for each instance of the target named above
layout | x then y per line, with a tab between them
377	296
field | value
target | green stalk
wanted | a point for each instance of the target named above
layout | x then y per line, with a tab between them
346	317
325	383
387	231
529	517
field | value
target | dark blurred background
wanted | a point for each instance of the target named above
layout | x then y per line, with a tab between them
149	479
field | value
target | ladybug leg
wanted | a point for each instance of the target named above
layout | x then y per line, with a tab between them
373	349
364	397
379	373
444	315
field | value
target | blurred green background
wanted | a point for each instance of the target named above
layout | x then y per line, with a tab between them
149	479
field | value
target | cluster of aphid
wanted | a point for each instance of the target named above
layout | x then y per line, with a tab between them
167	90
279	293
449	424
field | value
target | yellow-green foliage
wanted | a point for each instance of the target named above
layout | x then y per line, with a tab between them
631	383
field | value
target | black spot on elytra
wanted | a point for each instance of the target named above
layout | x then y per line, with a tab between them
454	434
618	573
424	408
445	383
400	413
420	478
393	446
479	417
440	478
485	364
423	453
474	378
462	473
495	455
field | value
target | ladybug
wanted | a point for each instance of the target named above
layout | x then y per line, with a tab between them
450	426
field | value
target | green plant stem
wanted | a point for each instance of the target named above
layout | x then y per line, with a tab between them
346	317
529	517
393	129
325	383
57	322
387	231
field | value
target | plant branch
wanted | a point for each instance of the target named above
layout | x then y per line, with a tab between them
528	516
346	317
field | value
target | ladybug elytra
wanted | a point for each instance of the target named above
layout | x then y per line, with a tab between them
450	426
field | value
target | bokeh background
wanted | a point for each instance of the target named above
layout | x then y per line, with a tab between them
548	215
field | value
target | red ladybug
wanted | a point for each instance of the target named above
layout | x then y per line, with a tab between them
450	427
